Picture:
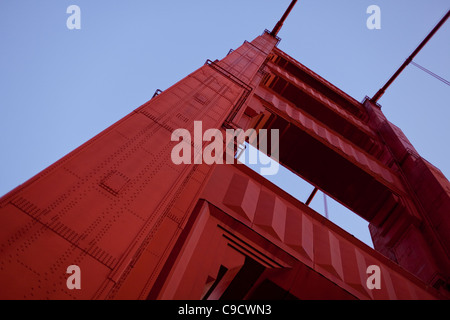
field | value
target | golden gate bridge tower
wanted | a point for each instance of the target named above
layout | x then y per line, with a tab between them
139	226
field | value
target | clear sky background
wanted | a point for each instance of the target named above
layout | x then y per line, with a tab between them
60	87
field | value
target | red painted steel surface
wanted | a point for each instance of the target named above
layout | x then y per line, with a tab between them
141	227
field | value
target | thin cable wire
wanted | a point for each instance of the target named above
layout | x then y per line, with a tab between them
431	73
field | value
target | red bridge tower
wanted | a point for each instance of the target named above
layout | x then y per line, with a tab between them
141	227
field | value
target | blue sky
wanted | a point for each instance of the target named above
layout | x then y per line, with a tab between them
60	87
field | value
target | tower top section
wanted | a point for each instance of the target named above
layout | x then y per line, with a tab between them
280	23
